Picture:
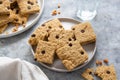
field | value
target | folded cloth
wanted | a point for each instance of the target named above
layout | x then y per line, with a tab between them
16	69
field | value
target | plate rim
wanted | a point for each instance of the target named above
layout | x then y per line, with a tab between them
58	70
29	26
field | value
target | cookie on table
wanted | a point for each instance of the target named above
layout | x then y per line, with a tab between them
2	28
4	7
72	55
87	74
39	34
54	24
28	6
45	52
19	19
106	72
84	33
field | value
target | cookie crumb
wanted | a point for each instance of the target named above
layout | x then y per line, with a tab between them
58	5
98	62
54	12
15	29
105	60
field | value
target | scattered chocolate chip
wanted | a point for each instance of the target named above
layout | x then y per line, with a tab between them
82	31
60	26
73	28
35	59
82	52
43	51
57	36
70	44
0	2
49	27
23	22
70	39
17	11
16	20
29	7
90	72
43	25
108	72
33	35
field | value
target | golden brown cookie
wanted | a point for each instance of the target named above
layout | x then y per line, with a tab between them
106	72
52	25
2	28
84	33
19	19
87	74
39	34
72	55
4	19
4	7
28	6
45	52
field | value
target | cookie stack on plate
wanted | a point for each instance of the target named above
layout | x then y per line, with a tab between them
16	12
51	38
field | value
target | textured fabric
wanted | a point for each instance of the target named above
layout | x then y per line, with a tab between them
16	69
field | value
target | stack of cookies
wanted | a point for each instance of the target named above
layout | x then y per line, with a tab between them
16	12
51	38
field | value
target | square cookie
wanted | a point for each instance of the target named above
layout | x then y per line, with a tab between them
84	33
19	19
28	6
88	74
2	28
4	7
39	34
45	52
72	55
4	19
106	72
52	25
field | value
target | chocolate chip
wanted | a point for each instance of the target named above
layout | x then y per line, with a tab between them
82	31
35	59
57	36
28	2
108	72
70	44
70	39
17	11
43	25
73	28
29	7
60	26
90	73
82	52
43	51
49	27
33	35
16	20
0	2
23	22
32	3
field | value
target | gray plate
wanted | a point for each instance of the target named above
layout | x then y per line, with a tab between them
31	21
57	65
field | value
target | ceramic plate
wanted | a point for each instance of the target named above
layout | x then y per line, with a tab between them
57	65
31	21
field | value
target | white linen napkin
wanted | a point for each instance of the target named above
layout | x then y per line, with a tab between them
16	69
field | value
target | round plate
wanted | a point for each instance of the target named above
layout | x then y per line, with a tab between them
31	21
57	65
